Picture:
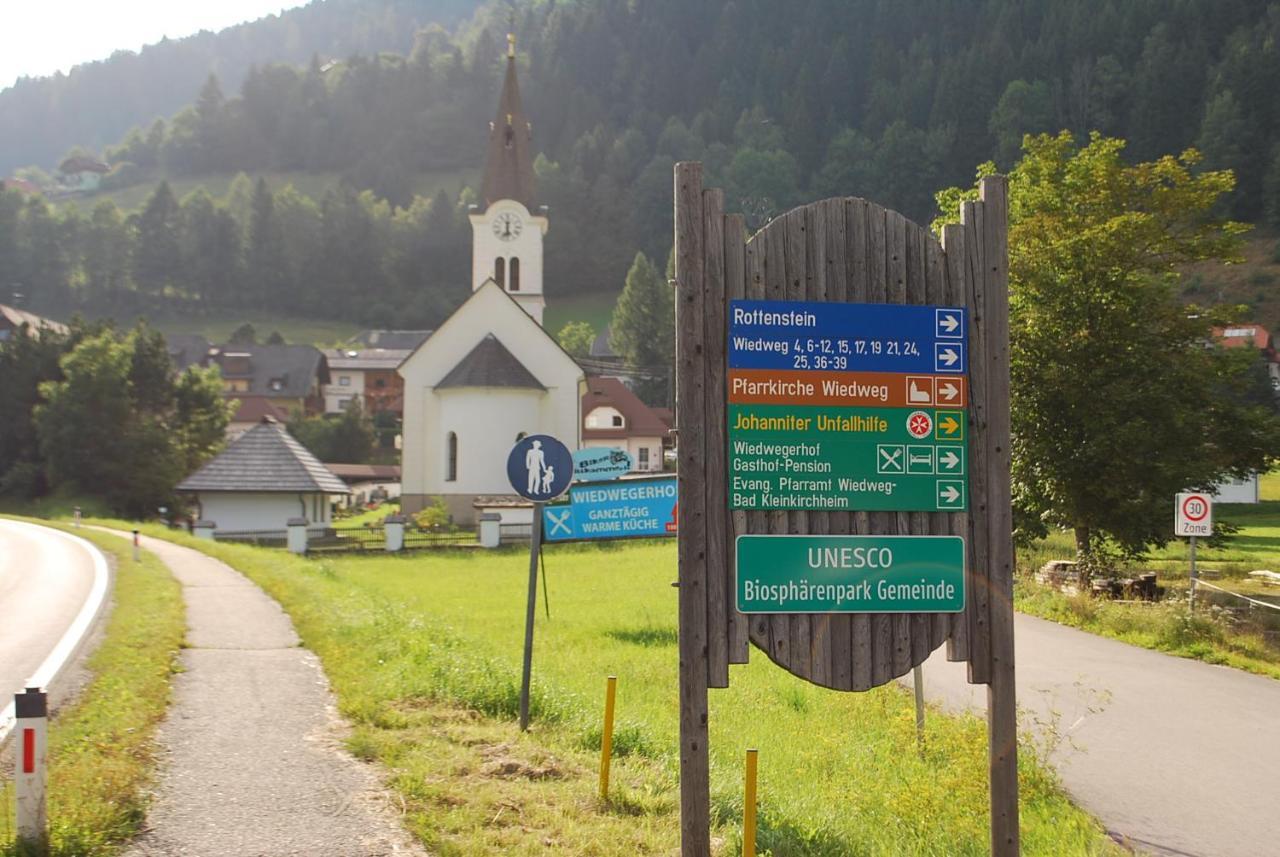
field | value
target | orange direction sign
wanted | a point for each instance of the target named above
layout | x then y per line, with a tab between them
847	389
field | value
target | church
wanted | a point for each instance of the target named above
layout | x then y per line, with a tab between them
490	374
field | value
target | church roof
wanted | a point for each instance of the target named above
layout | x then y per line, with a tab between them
508	167
265	458
490	364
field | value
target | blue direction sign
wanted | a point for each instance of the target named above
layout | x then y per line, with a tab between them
539	467
843	337
624	509
597	464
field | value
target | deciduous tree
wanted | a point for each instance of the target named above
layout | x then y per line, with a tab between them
1120	398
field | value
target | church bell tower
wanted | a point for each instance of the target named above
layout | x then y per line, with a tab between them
508	227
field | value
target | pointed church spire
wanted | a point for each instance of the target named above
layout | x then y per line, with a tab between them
508	168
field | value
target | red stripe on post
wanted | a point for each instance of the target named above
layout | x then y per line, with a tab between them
28	751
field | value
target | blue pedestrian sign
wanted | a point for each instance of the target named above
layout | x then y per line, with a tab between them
540	468
628	508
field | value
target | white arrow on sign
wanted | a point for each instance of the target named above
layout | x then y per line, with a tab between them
948	390
949	323
948	356
950	494
950	459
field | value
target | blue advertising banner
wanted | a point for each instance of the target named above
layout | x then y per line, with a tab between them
625	509
600	463
840	337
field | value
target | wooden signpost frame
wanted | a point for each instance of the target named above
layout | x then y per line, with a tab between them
839	250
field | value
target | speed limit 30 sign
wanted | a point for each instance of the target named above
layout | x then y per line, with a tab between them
1193	515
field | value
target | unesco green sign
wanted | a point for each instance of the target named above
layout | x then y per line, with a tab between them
850	574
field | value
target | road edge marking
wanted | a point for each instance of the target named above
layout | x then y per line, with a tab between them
76	632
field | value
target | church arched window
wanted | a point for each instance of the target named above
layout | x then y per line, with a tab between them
515	274
451	467
500	271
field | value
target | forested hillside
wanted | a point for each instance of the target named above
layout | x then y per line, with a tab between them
888	99
97	102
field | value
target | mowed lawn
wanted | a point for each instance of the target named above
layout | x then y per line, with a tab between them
424	652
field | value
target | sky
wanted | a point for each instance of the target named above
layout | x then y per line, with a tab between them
44	36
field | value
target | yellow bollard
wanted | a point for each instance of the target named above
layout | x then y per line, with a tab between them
606	740
749	808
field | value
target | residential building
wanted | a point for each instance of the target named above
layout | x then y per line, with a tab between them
291	376
12	319
613	416
367	375
1252	336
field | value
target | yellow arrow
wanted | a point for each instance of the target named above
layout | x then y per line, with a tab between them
949	425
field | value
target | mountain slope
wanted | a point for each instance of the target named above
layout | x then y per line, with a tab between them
97	102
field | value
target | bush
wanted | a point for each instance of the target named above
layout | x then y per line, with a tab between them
434	517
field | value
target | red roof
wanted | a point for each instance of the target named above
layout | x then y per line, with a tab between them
641	420
253	408
1240	335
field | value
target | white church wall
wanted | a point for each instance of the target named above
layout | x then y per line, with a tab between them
486	422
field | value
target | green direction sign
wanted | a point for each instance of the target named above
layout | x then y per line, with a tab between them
872	459
850	574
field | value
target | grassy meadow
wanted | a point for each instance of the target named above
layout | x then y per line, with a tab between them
424	653
101	751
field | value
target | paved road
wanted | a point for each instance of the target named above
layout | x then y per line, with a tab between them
45	579
254	763
1180	757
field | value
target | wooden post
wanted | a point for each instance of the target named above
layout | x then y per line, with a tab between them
695	785
1002	714
749	806
535	549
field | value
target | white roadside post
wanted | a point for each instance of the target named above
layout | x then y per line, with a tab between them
394	528
31	710
1193	517
137	546
297	541
76	518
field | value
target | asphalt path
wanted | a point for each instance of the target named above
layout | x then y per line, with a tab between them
46	578
1175	756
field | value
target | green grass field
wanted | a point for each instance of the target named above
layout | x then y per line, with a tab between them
596	309
101	750
424	654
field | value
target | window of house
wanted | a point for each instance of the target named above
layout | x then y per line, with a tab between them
642	458
380	383
515	274
451	468
277	385
617	421
344	380
500	271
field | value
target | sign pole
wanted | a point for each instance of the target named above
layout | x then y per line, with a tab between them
917	677
1194	576
535	549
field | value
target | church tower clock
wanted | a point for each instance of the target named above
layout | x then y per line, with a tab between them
508	227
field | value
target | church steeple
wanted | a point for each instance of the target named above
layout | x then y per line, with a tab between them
508	168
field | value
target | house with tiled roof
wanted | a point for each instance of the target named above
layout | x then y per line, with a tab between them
261	480
613	416
1252	336
291	376
13	320
490	374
